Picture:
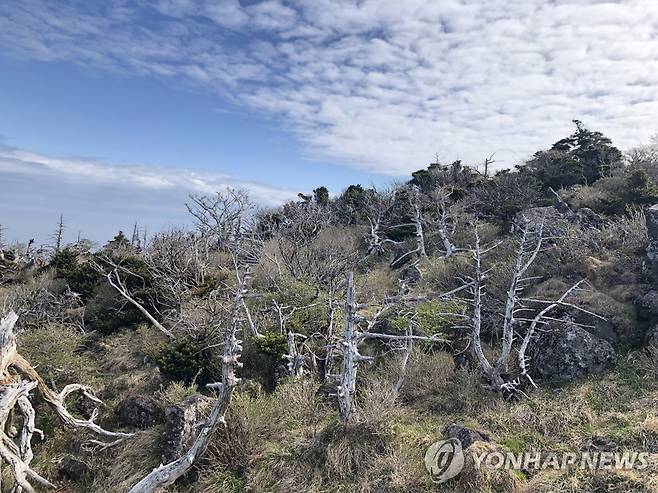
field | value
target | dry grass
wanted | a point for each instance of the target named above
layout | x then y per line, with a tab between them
129	463
176	392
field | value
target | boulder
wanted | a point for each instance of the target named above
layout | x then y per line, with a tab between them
71	468
555	218
554	221
466	436
649	304
180	425
652	336
140	411
652	233
600	444
570	352
586	218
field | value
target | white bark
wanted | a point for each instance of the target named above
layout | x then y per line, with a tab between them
166	474
349	348
123	291
18	379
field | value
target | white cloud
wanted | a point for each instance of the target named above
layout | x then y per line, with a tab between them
98	199
147	178
382	84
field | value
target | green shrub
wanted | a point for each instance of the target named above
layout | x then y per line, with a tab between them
189	359
107	311
273	344
616	194
431	317
57	352
80	276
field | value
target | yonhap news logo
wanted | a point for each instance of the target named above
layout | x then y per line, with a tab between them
444	459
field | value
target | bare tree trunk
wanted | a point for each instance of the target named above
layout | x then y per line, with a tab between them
477	310
166	474
18	379
295	359
418	224
123	291
59	233
329	355
405	362
349	344
351	356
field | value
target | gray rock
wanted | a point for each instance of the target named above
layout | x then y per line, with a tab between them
570	352
588	219
532	218
556	218
649	303
466	436
180	425
600	444
140	411
603	329
652	336
71	468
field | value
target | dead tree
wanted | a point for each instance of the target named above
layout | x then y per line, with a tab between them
59	234
487	164
353	336
404	362
19	378
222	216
530	242
377	209
445	220
2	241
135	242
179	262
416	221
303	248
296	359
113	272
228	219
166	474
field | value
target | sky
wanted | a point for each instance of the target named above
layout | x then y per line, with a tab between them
113	111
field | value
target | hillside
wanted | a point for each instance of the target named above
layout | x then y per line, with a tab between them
324	345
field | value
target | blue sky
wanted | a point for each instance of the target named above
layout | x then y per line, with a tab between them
112	112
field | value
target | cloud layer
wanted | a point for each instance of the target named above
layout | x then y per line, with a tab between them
380	84
98	199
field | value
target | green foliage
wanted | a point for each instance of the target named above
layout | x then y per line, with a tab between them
457	177
351	204
119	242
108	311
56	351
78	273
176	392
614	195
581	158
502	197
272	344
300	294
189	359
431	317
321	196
